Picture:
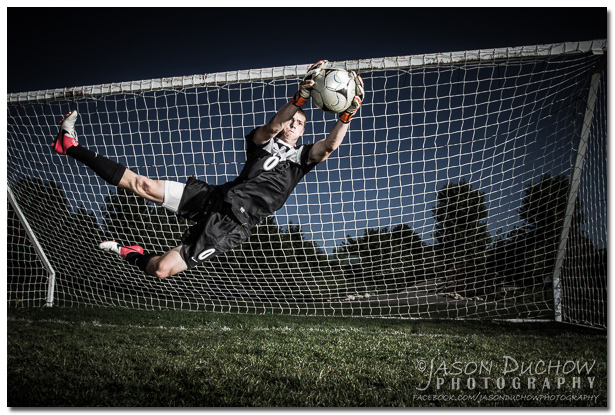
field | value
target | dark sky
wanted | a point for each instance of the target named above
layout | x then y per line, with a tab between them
63	47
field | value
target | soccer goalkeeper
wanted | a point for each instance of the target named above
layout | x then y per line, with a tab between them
224	214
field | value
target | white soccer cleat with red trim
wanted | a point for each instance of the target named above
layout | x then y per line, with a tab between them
114	247
68	124
67	137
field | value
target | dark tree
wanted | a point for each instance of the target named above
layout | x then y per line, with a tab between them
543	209
461	230
527	255
383	256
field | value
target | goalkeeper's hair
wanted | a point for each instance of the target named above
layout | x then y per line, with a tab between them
300	111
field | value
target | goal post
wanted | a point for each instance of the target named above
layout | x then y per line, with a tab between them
447	198
40	255
577	169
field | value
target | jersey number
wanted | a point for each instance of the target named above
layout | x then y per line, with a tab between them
206	254
271	162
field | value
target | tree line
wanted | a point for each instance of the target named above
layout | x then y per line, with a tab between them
280	262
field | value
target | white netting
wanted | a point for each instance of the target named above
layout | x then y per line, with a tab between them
444	200
26	274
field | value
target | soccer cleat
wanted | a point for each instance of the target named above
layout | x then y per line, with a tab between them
67	137
113	246
68	123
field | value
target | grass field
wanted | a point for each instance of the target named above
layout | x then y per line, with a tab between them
130	358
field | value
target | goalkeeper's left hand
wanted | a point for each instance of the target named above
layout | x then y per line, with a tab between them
305	88
347	115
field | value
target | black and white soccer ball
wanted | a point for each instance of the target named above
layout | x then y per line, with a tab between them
334	90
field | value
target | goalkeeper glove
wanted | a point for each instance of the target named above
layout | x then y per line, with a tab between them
347	115
305	88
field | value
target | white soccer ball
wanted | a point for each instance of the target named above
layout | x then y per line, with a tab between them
334	90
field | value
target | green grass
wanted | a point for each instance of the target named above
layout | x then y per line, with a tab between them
128	358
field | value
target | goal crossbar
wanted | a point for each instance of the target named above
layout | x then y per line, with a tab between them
251	75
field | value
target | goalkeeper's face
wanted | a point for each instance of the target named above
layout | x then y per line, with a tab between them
294	129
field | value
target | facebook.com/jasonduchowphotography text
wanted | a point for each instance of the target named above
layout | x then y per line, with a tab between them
509	380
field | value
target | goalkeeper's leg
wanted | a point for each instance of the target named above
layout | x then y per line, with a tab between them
112	172
161	266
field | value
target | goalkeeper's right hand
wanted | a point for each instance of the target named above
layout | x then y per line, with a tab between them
305	87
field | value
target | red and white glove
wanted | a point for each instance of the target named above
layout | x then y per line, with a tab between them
305	87
347	115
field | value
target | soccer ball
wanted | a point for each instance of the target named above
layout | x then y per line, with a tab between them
334	90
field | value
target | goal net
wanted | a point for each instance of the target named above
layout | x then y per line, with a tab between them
454	194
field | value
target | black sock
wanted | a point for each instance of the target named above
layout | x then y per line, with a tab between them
109	170
140	260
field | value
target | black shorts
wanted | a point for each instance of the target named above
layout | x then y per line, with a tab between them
216	230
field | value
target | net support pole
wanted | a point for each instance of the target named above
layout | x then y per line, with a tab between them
574	186
51	282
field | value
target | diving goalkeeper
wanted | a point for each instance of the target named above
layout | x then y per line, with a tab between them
224	214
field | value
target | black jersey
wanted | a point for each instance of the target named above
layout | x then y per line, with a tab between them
269	176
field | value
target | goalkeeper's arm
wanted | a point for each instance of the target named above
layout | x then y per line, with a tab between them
286	113
323	148
275	125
